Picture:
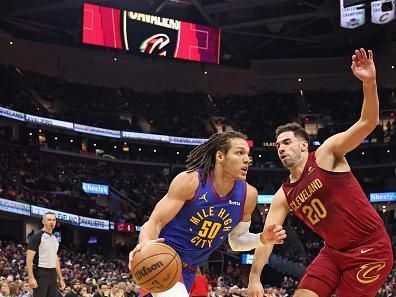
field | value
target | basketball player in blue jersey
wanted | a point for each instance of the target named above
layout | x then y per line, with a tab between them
206	204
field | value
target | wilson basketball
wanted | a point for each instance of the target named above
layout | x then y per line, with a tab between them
156	267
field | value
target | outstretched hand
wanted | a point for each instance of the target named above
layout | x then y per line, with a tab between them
363	65
273	234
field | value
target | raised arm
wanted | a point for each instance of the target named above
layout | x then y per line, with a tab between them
276	216
364	69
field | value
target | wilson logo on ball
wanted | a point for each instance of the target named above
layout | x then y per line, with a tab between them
138	275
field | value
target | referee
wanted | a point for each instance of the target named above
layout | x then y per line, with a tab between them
42	260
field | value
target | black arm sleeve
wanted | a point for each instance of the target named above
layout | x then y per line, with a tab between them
35	241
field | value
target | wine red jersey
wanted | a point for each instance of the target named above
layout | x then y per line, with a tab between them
333	205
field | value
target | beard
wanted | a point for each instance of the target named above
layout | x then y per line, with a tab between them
292	162
287	163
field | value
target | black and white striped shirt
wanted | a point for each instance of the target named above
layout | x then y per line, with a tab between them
46	247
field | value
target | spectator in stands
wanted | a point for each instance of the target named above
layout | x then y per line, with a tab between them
121	289
14	289
220	281
4	289
75	289
85	291
103	290
113	288
26	290
230	268
131	290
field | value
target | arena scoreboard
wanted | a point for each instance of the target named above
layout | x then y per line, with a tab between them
142	33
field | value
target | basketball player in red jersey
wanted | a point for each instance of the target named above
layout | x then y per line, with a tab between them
321	190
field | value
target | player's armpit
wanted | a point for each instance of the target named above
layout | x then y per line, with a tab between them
344	142
182	189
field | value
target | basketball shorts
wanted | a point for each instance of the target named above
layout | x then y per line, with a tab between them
358	271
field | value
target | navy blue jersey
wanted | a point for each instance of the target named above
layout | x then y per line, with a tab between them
204	222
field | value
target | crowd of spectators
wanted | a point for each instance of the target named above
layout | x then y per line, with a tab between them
90	270
47	179
14	94
120	109
97	275
55	181
195	115
189	115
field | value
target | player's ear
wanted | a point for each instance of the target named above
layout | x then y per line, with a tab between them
304	146
219	156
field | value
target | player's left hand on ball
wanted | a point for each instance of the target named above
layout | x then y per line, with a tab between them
139	246
274	234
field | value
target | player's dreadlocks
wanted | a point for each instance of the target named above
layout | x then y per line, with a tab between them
204	155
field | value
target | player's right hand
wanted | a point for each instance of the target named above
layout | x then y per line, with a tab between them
255	289
33	283
138	247
363	65
273	234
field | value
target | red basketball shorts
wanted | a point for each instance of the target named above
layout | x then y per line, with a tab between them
358	271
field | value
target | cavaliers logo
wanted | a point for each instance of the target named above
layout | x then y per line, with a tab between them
368	273
155	44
